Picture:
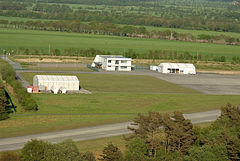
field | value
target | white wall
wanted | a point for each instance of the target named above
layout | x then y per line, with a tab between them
186	70
123	64
68	85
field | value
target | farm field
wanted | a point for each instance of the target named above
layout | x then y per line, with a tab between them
117	102
13	39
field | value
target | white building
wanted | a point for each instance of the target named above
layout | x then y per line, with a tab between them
56	82
112	62
178	68
154	67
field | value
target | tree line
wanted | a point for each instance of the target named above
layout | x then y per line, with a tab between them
116	30
51	8
9	75
12	6
4	103
151	54
155	137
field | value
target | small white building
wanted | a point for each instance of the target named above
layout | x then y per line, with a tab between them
56	82
154	67
112	62
178	68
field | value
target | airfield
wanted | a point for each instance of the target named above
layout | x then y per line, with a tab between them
203	82
115	99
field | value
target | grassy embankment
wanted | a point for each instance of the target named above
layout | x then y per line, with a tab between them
115	98
13	39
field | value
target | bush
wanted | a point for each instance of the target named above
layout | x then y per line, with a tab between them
87	156
23	97
37	150
3	104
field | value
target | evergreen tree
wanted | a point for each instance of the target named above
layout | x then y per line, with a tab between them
149	130
111	153
179	132
136	150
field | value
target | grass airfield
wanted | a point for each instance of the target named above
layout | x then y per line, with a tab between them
115	98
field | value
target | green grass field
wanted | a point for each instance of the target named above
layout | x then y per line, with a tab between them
194	32
117	101
59	112
13	39
10	19
82	69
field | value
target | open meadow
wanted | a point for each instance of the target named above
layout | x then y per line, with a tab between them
115	98
13	39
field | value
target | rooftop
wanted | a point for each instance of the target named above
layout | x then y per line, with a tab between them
57	78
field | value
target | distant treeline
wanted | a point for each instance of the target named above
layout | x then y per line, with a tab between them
94	2
151	54
170	17
9	75
116	30
12	6
52	8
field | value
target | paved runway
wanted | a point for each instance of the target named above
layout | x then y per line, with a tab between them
93	132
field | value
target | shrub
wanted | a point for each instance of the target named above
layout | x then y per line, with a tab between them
37	150
23	97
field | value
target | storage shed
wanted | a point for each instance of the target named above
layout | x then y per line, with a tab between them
49	82
178	68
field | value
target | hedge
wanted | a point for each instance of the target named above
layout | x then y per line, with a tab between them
24	98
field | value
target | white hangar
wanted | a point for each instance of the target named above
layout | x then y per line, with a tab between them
56	82
178	68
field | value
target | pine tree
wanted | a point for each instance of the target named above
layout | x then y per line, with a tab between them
149	130
179	133
111	153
